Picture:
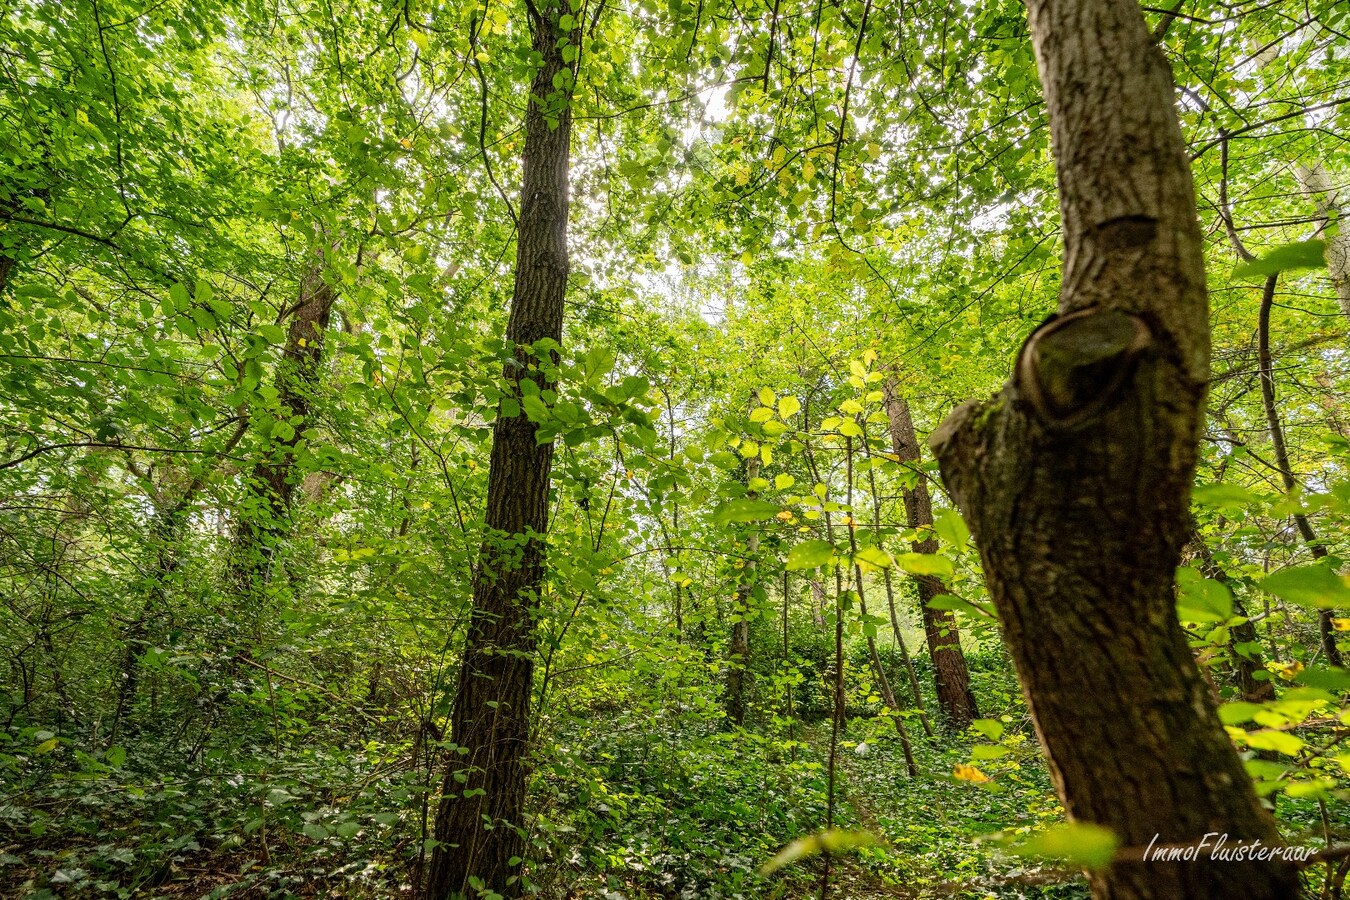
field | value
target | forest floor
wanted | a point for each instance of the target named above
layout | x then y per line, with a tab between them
940	835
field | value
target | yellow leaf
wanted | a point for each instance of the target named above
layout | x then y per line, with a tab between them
969	773
1288	671
1341	624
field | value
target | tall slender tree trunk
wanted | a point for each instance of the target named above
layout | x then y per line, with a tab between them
480	820
1266	364
738	653
883	683
166	535
1075	480
915	693
1244	645
1316	181
264	515
950	673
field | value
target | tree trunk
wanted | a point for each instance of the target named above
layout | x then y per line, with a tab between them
166	535
738	653
1266	365
1315	180
955	699
915	693
479	824
265	512
1075	480
883	683
1244	645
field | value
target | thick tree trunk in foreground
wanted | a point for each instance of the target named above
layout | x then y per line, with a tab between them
479	824
264	515
950	673
1075	480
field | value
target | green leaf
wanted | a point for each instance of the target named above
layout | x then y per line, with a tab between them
1328	679
1201	599
744	510
783	481
1223	495
314	831
1314	585
1299	255
273	334
535	408
951	528
809	555
178	297
766	397
925	564
1083	844
955	604
788	406
1279	741
1238	712
990	728
834	840
873	559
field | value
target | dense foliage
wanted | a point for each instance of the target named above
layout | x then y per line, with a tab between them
255	265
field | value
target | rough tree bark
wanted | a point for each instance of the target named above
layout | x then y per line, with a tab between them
479	821
950	673
265	512
1075	480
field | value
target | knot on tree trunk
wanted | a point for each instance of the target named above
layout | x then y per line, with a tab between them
1074	366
